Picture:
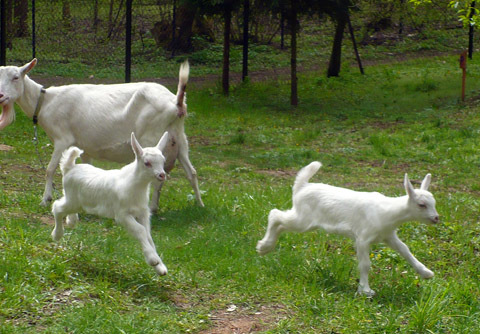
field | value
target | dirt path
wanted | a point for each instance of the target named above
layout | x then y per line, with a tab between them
235	78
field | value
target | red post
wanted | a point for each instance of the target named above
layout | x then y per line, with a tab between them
463	66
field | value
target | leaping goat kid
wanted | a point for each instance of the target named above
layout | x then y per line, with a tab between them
366	217
120	194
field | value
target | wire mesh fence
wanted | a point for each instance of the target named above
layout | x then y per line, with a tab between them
91	33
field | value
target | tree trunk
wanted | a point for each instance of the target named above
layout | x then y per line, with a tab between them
282	28
95	16
9	31
66	15
110	16
293	58
21	15
246	19
226	50
336	56
184	17
354	43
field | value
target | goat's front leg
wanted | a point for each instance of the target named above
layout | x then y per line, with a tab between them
52	166
396	244
59	212
139	232
144	220
274	229
363	255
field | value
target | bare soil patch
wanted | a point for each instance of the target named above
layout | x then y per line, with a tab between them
279	173
6	147
242	321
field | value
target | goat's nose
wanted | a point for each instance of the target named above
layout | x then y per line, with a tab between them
1	95
161	176
436	219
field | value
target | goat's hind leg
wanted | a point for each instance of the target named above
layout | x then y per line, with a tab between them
188	167
363	255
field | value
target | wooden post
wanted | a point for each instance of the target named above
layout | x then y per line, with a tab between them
463	66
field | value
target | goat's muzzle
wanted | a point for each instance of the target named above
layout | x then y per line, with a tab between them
161	176
435	219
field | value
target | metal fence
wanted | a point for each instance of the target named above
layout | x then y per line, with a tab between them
90	32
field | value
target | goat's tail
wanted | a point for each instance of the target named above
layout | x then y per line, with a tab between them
182	83
68	158
305	174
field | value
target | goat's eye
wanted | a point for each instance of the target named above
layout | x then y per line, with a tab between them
15	78
422	205
148	164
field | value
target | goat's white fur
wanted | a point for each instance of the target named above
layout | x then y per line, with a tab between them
99	119
365	217
120	194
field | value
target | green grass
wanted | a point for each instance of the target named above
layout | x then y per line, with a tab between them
366	130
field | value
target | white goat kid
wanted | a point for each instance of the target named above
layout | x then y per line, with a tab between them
121	194
366	217
99	119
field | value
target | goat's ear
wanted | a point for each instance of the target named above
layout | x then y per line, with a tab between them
408	187
162	143
27	67
426	182
137	149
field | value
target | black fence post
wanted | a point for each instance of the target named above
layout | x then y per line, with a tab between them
34	41
128	41
470	29
3	34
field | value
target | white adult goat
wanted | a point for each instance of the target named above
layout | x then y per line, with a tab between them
121	194
99	119
366	217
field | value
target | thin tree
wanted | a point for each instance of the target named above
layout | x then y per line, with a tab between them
293	54
227	17
246	19
20	13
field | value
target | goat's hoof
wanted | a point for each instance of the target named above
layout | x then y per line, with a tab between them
46	201
369	293
263	249
427	274
72	220
56	236
161	269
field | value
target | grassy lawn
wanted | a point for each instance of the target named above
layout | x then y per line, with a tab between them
366	130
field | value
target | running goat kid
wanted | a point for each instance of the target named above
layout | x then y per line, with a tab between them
121	194
366	217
